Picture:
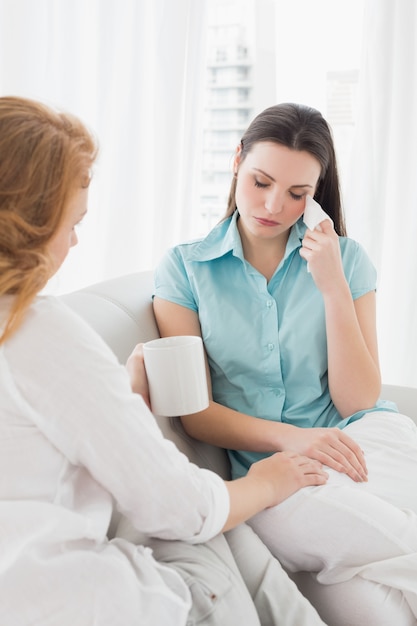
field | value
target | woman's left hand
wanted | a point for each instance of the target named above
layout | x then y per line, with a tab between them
321	249
135	366
330	446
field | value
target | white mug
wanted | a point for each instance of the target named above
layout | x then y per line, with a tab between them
176	373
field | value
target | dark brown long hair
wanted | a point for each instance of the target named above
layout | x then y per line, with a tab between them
300	128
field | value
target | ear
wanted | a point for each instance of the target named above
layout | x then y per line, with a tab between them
236	160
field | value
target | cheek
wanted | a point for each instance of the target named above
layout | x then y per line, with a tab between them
245	192
297	211
73	239
295	208
60	246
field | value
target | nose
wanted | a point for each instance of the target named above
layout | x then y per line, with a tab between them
274	201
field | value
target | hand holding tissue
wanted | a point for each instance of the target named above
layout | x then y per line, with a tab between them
313	215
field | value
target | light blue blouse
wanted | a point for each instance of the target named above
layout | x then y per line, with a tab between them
265	341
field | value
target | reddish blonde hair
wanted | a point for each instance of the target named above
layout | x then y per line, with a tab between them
45	156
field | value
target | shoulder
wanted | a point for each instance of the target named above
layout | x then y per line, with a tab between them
215	244
353	251
52	328
181	253
53	313
358	266
183	258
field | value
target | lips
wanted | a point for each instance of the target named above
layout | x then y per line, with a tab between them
265	222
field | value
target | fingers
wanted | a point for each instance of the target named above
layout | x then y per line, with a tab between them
313	243
313	472
331	447
342	454
325	226
286	473
137	351
310	470
136	369
315	240
314	479
354	458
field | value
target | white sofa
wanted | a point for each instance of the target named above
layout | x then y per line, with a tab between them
120	310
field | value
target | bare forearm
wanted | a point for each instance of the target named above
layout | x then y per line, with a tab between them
224	427
247	498
354	377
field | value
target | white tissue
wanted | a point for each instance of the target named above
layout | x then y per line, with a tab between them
313	215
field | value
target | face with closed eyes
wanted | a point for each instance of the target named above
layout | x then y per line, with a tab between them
272	184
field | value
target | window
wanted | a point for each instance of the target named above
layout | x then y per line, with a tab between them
253	62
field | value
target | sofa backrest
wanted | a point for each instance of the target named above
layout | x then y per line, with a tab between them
120	310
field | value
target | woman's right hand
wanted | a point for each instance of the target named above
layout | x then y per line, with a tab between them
286	473
330	446
135	366
269	482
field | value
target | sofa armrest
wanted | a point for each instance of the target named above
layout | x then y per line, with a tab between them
404	397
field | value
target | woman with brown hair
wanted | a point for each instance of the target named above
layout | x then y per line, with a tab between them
286	307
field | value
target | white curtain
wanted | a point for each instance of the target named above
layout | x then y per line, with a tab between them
133	70
381	198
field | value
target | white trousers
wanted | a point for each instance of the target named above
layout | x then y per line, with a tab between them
358	539
277	599
234	579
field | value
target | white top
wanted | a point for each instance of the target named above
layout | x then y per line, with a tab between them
73	437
